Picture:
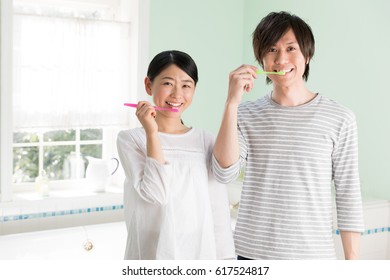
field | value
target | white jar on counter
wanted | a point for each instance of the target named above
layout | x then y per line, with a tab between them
42	184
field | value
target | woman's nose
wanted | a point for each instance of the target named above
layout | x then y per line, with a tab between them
176	92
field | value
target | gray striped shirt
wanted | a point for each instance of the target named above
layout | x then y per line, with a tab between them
292	154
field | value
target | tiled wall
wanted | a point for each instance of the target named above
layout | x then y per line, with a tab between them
375	241
105	241
27	216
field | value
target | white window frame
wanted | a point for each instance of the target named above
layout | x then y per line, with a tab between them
108	147
139	57
6	101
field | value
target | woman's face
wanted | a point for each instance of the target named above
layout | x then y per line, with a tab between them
286	56
172	88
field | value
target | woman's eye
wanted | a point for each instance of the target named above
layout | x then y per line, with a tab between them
272	50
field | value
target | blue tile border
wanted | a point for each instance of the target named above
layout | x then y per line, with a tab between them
59	213
370	231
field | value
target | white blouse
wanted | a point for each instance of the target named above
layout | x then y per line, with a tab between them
175	210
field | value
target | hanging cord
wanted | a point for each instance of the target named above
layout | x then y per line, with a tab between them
88	244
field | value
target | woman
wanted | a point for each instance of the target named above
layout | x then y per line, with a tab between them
174	209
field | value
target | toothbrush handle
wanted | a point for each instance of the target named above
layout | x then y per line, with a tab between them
155	107
136	105
131	105
265	72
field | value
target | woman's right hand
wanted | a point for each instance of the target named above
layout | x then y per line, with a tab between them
146	114
240	80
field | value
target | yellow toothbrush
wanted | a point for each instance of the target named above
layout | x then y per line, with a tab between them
275	73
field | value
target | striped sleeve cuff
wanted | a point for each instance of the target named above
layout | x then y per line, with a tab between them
225	175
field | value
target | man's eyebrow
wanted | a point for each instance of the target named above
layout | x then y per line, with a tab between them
288	43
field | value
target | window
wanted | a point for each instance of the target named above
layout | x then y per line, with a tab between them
74	63
61	153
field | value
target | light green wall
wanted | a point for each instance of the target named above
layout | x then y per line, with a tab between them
350	63
210	31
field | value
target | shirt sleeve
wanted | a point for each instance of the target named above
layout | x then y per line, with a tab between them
231	173
149	178
346	179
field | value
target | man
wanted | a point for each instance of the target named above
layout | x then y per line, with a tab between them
294	142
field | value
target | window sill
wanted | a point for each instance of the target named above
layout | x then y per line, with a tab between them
62	208
61	200
62	193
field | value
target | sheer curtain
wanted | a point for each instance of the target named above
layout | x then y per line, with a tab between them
70	72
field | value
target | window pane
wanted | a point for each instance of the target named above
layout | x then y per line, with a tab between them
91	134
25	137
59	60
25	164
58	162
92	150
60	135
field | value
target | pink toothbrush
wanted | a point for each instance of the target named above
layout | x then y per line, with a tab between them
155	107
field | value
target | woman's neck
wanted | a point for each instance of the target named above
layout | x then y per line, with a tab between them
171	125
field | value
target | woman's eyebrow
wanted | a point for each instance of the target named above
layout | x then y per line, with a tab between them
172	79
167	78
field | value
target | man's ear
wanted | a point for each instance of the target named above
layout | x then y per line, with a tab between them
148	86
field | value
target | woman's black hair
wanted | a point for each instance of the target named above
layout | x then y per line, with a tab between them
166	58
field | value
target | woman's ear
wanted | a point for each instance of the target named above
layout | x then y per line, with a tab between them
148	86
